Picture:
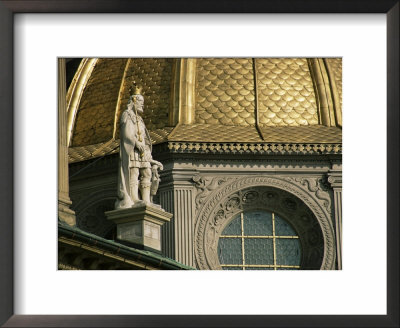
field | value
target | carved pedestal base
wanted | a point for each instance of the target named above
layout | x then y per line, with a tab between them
65	214
140	224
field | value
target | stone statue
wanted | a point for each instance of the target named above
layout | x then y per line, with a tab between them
138	177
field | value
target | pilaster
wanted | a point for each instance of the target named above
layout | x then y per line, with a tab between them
177	196
64	212
335	180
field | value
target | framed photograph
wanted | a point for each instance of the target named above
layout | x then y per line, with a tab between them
249	144
235	164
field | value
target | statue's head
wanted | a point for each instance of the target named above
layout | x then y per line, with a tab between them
136	101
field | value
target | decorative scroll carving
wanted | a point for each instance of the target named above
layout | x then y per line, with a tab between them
269	193
319	187
204	186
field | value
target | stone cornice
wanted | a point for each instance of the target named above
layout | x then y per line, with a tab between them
252	148
79	154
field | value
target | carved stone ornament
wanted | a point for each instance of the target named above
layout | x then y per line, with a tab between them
287	198
319	187
204	186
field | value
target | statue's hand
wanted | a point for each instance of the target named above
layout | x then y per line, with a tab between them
140	147
157	163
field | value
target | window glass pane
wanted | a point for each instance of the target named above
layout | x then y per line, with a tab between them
288	252
257	223
282	228
233	228
230	250
258	251
258	239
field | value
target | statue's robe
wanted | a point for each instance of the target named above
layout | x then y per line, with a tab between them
127	132
137	159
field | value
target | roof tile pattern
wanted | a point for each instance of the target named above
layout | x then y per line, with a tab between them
154	76
302	134
225	91
285	92
284	134
210	132
160	135
95	118
82	153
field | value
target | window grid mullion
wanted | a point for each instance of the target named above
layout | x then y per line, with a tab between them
274	239
242	237
242	233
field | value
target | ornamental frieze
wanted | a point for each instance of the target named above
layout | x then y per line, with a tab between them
254	148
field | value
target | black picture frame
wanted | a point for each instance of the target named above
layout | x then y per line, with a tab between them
7	11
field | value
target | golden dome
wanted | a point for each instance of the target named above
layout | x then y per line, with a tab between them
209	99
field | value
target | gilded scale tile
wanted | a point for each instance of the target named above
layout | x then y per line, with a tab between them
285	92
225	91
95	118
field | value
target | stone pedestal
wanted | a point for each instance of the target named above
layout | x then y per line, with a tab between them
140	224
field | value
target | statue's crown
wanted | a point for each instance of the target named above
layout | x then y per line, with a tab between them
136	89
